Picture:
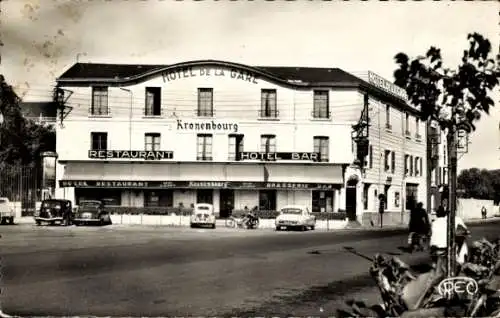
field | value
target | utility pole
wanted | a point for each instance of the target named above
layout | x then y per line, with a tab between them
452	197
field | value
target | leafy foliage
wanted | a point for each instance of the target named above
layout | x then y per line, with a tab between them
21	140
451	97
480	184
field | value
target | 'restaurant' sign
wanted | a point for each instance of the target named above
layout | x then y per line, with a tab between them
387	86
131	154
276	156
195	185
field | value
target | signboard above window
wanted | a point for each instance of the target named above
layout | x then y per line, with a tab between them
131	154
276	156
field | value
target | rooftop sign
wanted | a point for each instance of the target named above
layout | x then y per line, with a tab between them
387	86
187	72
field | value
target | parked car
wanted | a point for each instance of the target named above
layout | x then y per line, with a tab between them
295	216
92	212
203	215
6	211
54	211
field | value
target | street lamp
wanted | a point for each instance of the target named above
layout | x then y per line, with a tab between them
129	116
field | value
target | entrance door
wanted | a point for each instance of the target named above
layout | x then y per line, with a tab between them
351	200
226	202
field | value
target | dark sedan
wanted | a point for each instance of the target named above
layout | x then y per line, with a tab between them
92	212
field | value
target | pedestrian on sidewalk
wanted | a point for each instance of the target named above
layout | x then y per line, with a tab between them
484	212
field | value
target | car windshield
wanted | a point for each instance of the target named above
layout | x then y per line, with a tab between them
52	204
205	208
3	201
291	211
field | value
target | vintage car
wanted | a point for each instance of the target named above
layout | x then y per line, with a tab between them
295	216
6	211
92	212
203	215
54	211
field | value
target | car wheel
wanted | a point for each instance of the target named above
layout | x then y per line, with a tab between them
312	228
278	228
4	220
192	225
213	226
77	223
11	220
38	223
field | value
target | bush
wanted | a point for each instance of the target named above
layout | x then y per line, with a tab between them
119	210
269	214
332	216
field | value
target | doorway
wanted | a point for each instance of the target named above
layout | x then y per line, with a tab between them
351	199
226	202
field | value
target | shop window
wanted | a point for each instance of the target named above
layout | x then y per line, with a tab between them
99	101
267	200
157	198
322	201
321	145
321	108
204	151
99	140
205	196
268	108
152	141
153	101
205	102
110	197
235	147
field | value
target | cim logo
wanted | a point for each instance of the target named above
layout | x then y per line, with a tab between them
457	286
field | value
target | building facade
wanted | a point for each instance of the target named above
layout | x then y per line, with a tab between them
233	135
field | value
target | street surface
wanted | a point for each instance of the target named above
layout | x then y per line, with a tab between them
127	271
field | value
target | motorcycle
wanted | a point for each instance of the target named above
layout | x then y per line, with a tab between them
247	221
405	294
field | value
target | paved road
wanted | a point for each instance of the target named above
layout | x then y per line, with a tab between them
167	271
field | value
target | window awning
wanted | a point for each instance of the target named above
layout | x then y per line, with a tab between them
212	175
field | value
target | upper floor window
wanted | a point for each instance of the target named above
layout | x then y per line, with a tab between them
407	124
204	151
152	141
321	145
321	108
267	143
369	162
153	101
388	117
99	140
99	101
417	127
387	162
205	102
268	107
411	165
235	147
393	161
407	164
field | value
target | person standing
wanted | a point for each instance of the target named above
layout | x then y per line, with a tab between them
484	212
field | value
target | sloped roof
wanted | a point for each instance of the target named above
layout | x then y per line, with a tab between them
123	74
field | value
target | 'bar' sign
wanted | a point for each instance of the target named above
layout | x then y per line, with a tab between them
275	156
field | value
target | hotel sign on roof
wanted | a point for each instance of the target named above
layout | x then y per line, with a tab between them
387	86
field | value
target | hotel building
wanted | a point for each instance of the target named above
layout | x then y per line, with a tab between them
237	136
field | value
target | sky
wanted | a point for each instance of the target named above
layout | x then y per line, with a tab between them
43	38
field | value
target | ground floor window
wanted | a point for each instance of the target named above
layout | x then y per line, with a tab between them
154	198
267	200
411	195
205	196
322	201
366	187
111	197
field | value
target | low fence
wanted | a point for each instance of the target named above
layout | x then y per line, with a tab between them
184	221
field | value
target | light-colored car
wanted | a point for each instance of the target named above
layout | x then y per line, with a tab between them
6	211
203	215
295	216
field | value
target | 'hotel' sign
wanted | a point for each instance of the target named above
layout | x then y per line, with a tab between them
275	156
131	154
387	86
